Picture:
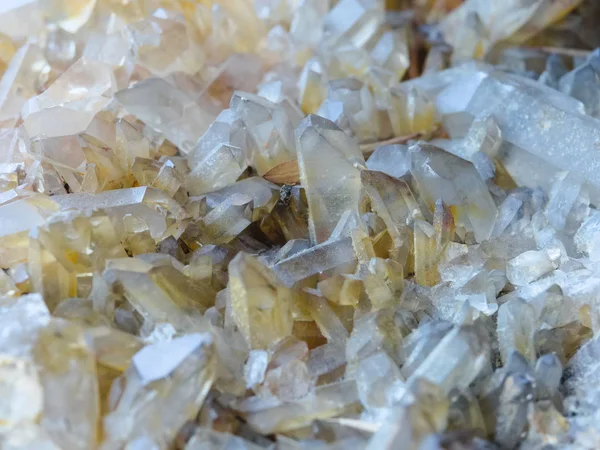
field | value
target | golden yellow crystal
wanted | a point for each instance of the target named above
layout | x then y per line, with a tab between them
260	304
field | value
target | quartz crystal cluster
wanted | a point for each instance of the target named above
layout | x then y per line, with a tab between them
294	224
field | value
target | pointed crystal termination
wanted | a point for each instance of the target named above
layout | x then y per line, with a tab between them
269	128
443	224
426	254
393	160
352	99
260	304
393	201
312	84
264	195
168	110
328	160
440	175
227	129
67	372
227	220
391	52
383	189
480	145
410	111
511	415
164	386
220	167
384	283
325	317
475	27
516	329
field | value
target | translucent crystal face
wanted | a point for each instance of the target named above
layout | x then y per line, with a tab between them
299	224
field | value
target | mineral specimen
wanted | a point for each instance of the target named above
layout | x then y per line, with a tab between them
291	224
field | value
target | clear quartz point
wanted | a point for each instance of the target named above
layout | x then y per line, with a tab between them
322	145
